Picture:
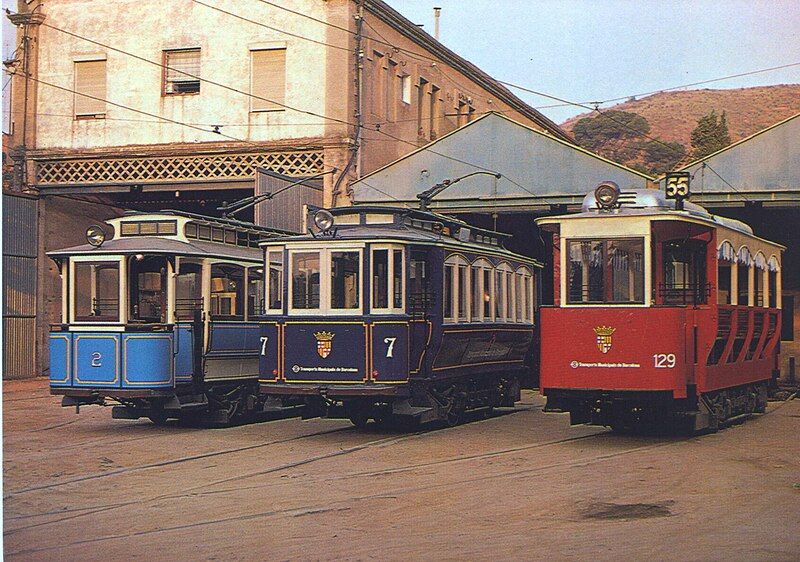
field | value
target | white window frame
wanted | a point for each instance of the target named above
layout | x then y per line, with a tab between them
391	309
524	277
506	272
267	251
481	265
325	282
457	261
122	285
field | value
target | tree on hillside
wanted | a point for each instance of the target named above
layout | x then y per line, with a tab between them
595	133
710	135
662	156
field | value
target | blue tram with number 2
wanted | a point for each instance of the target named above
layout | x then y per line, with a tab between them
395	314
161	321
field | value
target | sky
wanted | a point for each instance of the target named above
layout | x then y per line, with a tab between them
585	51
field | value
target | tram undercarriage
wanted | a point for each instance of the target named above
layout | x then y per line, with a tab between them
217	405
420	402
634	411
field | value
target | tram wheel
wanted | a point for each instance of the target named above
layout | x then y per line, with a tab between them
359	419
158	417
457	405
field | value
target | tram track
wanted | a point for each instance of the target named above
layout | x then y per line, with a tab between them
385	494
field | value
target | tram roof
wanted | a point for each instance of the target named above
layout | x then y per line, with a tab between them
157	245
409	225
652	203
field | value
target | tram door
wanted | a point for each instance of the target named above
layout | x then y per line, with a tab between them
189	321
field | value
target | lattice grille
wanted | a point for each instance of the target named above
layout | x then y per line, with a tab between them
176	168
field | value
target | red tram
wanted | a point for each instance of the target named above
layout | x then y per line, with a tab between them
661	316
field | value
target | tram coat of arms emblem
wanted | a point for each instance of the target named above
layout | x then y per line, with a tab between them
324	343
604	337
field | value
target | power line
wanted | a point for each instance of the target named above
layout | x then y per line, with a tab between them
167	119
283	31
195	76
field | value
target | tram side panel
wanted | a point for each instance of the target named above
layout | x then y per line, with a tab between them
619	349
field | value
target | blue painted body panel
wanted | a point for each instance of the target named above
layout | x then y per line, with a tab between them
305	360
61	359
147	360
184	352
234	338
96	359
390	350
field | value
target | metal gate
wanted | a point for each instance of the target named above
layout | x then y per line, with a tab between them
20	244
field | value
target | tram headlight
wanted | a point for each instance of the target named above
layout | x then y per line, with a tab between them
323	220
607	194
95	235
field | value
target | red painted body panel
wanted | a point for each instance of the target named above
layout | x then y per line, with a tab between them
572	358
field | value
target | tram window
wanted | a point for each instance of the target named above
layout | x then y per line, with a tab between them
255	291
96	291
305	280
509	282
684	272
462	292
758	287
275	297
418	293
477	294
147	286
743	286
380	278
487	294
606	271
448	291
227	291
188	290
772	280
724	282
500	295
345	280
397	278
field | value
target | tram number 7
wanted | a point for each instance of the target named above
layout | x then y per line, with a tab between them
264	340
664	360
390	343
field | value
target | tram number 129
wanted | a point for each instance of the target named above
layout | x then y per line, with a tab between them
664	360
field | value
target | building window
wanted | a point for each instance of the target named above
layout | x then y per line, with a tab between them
405	89
90	89
182	67
391	90
433	112
268	79
379	84
421	106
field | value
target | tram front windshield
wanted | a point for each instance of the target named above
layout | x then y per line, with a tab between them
606	271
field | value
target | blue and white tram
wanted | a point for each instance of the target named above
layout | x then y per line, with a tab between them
161	320
386	313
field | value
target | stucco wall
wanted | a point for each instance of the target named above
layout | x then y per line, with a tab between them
146	29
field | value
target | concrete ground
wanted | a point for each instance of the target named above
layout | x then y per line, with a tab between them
522	485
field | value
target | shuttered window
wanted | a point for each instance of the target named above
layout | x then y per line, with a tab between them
268	79
180	72
90	79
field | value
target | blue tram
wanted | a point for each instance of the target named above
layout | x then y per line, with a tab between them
161	320
395	314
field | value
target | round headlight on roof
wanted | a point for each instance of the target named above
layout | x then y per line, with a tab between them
95	235
607	195
323	220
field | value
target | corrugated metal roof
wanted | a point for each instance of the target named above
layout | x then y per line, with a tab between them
764	166
537	170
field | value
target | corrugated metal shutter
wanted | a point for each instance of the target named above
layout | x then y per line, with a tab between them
285	210
20	247
268	79
90	79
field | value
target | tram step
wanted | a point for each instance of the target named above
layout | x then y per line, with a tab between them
404	409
